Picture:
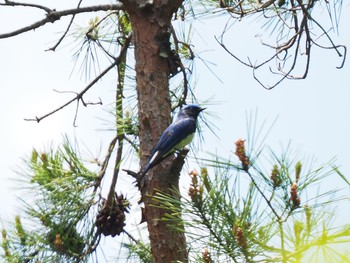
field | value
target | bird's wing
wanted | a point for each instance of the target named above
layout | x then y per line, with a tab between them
170	138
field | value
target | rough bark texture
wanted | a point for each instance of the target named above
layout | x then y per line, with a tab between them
150	24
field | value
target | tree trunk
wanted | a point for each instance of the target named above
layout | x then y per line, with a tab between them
150	24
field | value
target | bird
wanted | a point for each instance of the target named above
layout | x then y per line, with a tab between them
178	134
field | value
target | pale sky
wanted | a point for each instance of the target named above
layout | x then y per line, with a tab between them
313	114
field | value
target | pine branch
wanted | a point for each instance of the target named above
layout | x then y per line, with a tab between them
52	15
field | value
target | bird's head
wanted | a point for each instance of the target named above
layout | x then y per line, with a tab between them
191	110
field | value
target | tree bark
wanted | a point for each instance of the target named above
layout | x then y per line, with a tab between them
150	25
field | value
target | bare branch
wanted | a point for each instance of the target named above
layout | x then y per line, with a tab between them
336	47
295	38
79	96
11	3
52	15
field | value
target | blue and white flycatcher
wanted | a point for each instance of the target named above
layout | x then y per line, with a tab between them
179	134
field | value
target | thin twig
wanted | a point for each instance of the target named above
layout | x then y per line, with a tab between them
131	237
65	32
105	163
262	194
78	103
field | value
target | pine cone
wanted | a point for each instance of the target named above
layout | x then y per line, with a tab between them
111	219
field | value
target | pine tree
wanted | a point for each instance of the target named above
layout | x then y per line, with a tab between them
141	40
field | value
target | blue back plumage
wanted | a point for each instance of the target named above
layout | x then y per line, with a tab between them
176	136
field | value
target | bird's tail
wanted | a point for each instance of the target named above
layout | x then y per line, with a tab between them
144	171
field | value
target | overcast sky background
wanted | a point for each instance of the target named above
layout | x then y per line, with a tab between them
313	114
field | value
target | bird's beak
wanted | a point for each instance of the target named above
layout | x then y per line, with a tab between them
201	109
